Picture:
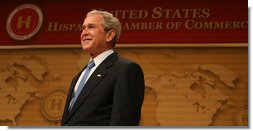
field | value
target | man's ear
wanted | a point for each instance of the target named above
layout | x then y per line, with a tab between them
110	35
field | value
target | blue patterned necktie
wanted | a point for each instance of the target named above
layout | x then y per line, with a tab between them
82	83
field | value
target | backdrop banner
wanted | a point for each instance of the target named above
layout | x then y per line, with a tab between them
59	23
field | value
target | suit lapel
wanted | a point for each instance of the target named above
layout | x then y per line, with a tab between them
72	86
93	81
89	86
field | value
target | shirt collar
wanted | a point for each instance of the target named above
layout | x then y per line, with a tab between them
101	57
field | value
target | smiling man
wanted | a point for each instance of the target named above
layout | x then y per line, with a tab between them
110	89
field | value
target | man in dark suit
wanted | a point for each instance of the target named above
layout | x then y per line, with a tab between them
113	91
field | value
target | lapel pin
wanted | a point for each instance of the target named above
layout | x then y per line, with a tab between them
98	75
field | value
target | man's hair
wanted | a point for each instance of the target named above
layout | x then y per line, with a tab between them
110	23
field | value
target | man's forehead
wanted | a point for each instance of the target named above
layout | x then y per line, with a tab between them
93	19
94	16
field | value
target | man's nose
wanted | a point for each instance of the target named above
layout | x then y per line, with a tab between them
85	31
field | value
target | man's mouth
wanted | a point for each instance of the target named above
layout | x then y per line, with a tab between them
87	39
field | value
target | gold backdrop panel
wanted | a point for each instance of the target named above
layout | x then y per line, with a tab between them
184	86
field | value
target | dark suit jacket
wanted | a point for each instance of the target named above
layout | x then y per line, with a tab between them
113	95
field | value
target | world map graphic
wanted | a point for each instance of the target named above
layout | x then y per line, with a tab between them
181	95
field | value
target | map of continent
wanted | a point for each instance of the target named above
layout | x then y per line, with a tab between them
15	88
190	96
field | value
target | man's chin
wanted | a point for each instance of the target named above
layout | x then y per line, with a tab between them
86	48
85	45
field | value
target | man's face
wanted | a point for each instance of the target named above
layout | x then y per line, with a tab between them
93	36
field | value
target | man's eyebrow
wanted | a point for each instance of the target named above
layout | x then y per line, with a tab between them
89	24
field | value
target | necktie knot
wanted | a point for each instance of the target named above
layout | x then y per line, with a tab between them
91	64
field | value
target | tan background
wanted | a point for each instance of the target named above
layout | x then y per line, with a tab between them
58	66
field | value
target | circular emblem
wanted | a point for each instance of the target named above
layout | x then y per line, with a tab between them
53	105
241	117
24	22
